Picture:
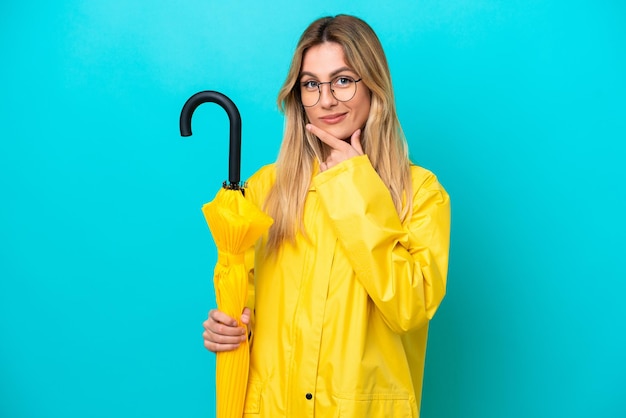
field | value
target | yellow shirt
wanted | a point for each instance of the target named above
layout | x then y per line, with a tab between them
341	317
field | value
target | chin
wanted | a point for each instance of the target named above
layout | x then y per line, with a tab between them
342	133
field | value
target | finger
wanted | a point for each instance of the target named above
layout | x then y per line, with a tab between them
218	343
245	316
216	340
217	348
219	328
210	336
221	317
325	137
355	141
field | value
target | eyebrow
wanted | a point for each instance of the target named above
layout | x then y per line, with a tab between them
334	73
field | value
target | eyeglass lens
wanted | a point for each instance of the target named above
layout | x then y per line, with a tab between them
342	88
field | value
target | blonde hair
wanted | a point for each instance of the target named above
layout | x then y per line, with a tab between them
382	139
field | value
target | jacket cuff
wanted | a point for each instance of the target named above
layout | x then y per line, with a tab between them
345	166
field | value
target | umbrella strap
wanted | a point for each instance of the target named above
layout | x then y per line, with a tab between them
229	259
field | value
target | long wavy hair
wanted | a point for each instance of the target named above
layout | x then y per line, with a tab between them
382	138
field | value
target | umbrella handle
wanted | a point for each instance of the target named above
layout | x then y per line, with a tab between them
234	157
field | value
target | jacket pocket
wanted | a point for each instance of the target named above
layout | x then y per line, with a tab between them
376	405
253	397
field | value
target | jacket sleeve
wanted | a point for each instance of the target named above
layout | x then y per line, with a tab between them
402	266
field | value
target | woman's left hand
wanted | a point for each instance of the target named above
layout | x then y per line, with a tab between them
340	150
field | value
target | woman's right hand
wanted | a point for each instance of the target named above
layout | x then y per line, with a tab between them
221	332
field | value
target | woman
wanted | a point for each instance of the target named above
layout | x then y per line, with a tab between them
354	266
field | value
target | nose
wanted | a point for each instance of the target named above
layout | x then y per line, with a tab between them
327	99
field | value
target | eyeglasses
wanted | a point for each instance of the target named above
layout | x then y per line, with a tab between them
343	88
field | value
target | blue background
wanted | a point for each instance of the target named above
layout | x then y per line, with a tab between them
106	261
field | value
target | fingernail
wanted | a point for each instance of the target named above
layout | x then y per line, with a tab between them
309	127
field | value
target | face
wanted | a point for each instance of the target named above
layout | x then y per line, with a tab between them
323	63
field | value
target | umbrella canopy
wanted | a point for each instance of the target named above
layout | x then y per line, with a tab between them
235	225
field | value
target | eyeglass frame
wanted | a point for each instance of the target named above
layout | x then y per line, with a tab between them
332	92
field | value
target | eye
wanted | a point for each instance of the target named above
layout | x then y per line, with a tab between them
310	85
343	81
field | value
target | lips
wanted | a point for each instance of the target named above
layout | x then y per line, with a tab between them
334	118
